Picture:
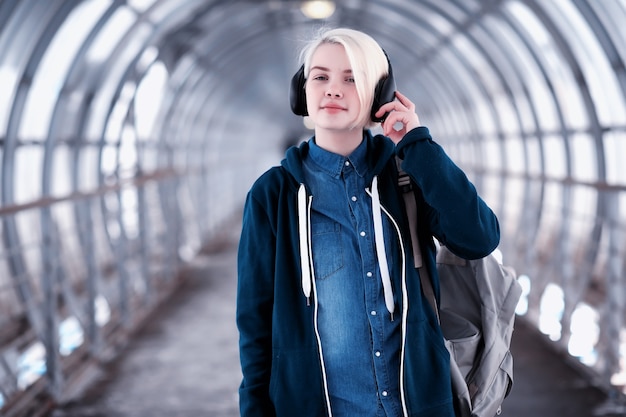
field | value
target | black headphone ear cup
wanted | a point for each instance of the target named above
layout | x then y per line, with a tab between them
385	92
297	97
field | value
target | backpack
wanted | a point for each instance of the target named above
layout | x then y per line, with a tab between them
476	313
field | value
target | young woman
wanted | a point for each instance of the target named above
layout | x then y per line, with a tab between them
331	315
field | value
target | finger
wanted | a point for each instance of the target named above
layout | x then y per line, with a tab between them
405	100
385	108
395	122
392	106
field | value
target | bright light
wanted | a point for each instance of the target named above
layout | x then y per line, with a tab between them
551	311
31	365
103	310
522	305
71	335
148	99
585	334
318	9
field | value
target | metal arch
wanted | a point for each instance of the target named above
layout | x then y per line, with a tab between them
43	322
474	20
592	249
596	131
605	40
615	245
529	217
531	254
82	214
566	50
462	27
563	260
119	246
6	11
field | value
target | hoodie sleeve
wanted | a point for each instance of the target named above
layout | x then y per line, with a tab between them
457	216
255	265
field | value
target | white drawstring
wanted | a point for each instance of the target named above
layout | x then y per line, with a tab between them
303	229
380	247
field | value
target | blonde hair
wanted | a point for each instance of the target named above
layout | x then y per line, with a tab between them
367	59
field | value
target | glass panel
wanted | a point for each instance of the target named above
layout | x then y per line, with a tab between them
30	234
110	82
495	44
115	123
564	82
583	208
148	99
28	174
613	16
534	156
111	34
614	152
492	191
584	155
599	76
532	78
88	168
554	151
514	204
551	217
515	153
61	184
50	76
141	5
8	81
622	208
492	158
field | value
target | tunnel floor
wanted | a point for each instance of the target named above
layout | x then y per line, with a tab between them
184	362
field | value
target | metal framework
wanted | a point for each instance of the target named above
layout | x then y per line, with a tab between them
130	131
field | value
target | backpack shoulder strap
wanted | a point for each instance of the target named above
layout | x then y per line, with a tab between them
404	182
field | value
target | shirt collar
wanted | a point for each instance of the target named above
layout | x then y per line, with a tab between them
333	163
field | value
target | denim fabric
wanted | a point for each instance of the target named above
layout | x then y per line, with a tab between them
360	342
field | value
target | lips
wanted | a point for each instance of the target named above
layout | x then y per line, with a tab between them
333	107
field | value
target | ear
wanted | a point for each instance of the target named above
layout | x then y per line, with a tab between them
297	96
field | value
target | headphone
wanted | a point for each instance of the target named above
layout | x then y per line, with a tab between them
384	92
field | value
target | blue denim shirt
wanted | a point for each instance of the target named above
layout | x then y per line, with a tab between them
360	342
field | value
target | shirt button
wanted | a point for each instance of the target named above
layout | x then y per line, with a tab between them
362	233
373	312
384	393
347	163
377	354
369	274
353	198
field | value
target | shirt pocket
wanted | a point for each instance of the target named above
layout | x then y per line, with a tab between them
327	248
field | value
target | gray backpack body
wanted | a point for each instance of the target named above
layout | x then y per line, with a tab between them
477	312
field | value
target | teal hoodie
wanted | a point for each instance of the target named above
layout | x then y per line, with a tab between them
283	370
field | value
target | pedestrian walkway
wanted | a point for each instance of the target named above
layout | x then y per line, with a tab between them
185	362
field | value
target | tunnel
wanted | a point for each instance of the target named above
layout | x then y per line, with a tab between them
131	131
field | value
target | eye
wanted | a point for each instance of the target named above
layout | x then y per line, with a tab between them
320	77
350	79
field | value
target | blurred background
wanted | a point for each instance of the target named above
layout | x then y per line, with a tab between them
131	130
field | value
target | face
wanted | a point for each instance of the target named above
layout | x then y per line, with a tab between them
331	95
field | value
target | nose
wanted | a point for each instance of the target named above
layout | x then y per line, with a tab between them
334	92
